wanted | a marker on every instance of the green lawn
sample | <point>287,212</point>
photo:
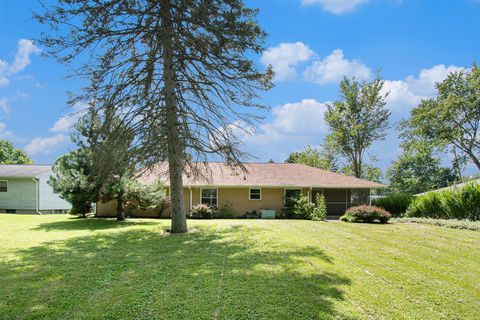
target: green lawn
<point>60,267</point>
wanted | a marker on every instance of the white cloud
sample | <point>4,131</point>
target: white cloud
<point>20,62</point>
<point>334,68</point>
<point>65,123</point>
<point>292,122</point>
<point>336,6</point>
<point>45,145</point>
<point>22,57</point>
<point>4,105</point>
<point>406,94</point>
<point>285,57</point>
<point>424,84</point>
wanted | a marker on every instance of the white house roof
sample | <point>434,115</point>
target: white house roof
<point>22,170</point>
<point>454,187</point>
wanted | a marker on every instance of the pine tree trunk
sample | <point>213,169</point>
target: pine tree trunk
<point>175,148</point>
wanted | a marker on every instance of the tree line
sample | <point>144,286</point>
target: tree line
<point>448,124</point>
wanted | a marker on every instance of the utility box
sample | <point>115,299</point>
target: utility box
<point>267,214</point>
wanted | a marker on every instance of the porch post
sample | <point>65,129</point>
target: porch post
<point>346,199</point>
<point>370,196</point>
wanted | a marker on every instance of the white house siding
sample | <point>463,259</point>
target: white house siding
<point>48,199</point>
<point>21,194</point>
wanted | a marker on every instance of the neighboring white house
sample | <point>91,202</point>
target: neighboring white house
<point>24,189</point>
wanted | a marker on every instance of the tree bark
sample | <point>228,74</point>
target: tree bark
<point>175,148</point>
<point>474,159</point>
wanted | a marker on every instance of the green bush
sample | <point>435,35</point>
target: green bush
<point>202,211</point>
<point>226,212</point>
<point>302,208</point>
<point>459,204</point>
<point>427,205</point>
<point>366,214</point>
<point>395,203</point>
<point>319,212</point>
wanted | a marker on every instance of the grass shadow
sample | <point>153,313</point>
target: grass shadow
<point>138,274</point>
<point>75,223</point>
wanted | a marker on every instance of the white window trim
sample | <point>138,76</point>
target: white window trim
<point>250,194</point>
<point>7,185</point>
<point>218,200</point>
<point>285,193</point>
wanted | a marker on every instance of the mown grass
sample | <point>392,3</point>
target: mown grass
<point>55,267</point>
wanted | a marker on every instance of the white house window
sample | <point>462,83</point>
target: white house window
<point>209,197</point>
<point>255,194</point>
<point>3,186</point>
<point>291,194</point>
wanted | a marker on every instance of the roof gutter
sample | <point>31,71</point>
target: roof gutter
<point>37,202</point>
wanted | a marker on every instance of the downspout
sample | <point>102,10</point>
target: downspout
<point>370,197</point>
<point>37,202</point>
<point>310,194</point>
<point>190,189</point>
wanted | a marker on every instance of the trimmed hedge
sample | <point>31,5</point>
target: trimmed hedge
<point>366,214</point>
<point>461,204</point>
<point>395,203</point>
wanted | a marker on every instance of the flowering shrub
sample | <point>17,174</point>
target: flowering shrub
<point>367,214</point>
<point>202,211</point>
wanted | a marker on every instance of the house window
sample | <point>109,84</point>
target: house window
<point>209,197</point>
<point>255,194</point>
<point>290,195</point>
<point>3,186</point>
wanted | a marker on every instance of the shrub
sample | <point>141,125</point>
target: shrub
<point>367,214</point>
<point>319,212</point>
<point>226,212</point>
<point>427,205</point>
<point>202,211</point>
<point>395,203</point>
<point>463,203</point>
<point>251,214</point>
<point>302,208</point>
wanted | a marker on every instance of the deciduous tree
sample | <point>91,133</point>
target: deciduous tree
<point>453,118</point>
<point>356,121</point>
<point>314,158</point>
<point>11,155</point>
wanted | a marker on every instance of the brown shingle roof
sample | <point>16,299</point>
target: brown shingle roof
<point>261,175</point>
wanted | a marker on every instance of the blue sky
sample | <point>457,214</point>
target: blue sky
<point>312,44</point>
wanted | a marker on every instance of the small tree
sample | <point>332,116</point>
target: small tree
<point>313,158</point>
<point>319,212</point>
<point>369,172</point>
<point>417,170</point>
<point>70,179</point>
<point>11,155</point>
<point>141,196</point>
<point>357,120</point>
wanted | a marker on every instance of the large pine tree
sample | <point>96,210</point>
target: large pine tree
<point>179,72</point>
